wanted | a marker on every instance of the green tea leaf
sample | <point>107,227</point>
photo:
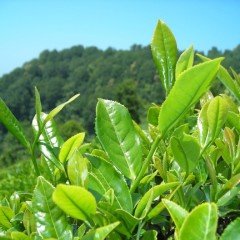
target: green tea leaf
<point>226,79</point>
<point>187,90</point>
<point>150,235</point>
<point>185,61</point>
<point>232,232</point>
<point>216,115</point>
<point>186,151</point>
<point>12,124</point>
<point>59,108</point>
<point>152,115</point>
<point>117,135</point>
<point>234,120</point>
<point>75,201</point>
<point>232,182</point>
<point>70,146</point>
<point>19,236</point>
<point>100,233</point>
<point>6,214</point>
<point>110,178</point>
<point>156,191</point>
<point>49,140</point>
<point>77,169</point>
<point>38,107</point>
<point>51,222</point>
<point>177,213</point>
<point>201,223</point>
<point>164,52</point>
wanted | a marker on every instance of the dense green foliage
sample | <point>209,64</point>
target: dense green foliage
<point>176,179</point>
<point>127,76</point>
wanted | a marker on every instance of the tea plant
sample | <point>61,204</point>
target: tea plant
<point>179,179</point>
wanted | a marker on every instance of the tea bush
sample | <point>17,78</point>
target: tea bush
<point>177,179</point>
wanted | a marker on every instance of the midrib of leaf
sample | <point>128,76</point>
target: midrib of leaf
<point>208,222</point>
<point>74,203</point>
<point>46,199</point>
<point>119,142</point>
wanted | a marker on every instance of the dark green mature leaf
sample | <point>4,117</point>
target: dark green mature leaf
<point>156,191</point>
<point>164,51</point>
<point>186,151</point>
<point>6,214</point>
<point>51,222</point>
<point>152,115</point>
<point>100,233</point>
<point>177,213</point>
<point>70,146</point>
<point>49,140</point>
<point>185,61</point>
<point>150,235</point>
<point>12,124</point>
<point>110,178</point>
<point>187,90</point>
<point>234,120</point>
<point>115,130</point>
<point>201,223</point>
<point>232,232</point>
<point>232,182</point>
<point>75,201</point>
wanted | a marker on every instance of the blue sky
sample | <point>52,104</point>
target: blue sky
<point>28,27</point>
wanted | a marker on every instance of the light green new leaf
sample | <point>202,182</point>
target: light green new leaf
<point>216,116</point>
<point>6,214</point>
<point>164,52</point>
<point>185,61</point>
<point>70,146</point>
<point>75,201</point>
<point>115,130</point>
<point>186,151</point>
<point>12,124</point>
<point>51,222</point>
<point>19,236</point>
<point>226,79</point>
<point>110,178</point>
<point>202,124</point>
<point>77,169</point>
<point>200,224</point>
<point>49,140</point>
<point>100,233</point>
<point>178,214</point>
<point>232,232</point>
<point>187,90</point>
<point>156,191</point>
<point>59,108</point>
<point>38,107</point>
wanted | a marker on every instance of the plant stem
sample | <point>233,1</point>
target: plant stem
<point>146,163</point>
<point>34,161</point>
